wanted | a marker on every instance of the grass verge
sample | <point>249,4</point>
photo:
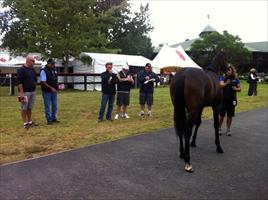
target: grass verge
<point>78,127</point>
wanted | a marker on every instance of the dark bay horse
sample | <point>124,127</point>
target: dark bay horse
<point>191,90</point>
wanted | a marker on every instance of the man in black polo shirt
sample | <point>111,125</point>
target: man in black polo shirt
<point>49,86</point>
<point>147,78</point>
<point>26,85</point>
<point>108,81</point>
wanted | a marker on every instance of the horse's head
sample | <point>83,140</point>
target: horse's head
<point>223,61</point>
<point>219,62</point>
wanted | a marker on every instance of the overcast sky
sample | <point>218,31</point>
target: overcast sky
<point>174,21</point>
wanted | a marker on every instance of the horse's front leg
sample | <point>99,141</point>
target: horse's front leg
<point>182,153</point>
<point>216,127</point>
<point>180,133</point>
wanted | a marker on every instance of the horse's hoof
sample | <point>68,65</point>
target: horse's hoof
<point>193,144</point>
<point>219,150</point>
<point>189,168</point>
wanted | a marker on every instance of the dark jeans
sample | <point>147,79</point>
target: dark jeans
<point>50,103</point>
<point>106,98</point>
<point>252,90</point>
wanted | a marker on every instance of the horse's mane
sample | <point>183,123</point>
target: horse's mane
<point>214,66</point>
<point>211,68</point>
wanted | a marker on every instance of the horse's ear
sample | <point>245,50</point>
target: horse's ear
<point>223,51</point>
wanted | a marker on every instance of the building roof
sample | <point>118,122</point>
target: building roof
<point>257,46</point>
<point>186,45</point>
<point>207,29</point>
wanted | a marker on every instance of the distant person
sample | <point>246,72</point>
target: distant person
<point>125,81</point>
<point>230,85</point>
<point>26,85</point>
<point>50,87</point>
<point>252,81</point>
<point>147,78</point>
<point>108,81</point>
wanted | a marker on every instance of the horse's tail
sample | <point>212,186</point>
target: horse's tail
<point>179,106</point>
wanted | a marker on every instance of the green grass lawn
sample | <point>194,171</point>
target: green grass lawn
<point>78,127</point>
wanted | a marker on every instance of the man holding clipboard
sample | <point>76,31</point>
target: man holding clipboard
<point>146,79</point>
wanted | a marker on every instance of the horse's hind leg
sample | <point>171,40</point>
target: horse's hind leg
<point>188,166</point>
<point>191,121</point>
<point>216,127</point>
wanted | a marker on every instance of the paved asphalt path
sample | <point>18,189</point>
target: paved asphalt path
<point>148,167</point>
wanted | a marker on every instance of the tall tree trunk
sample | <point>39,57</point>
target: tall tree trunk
<point>66,66</point>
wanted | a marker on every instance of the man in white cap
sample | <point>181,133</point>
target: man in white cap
<point>125,80</point>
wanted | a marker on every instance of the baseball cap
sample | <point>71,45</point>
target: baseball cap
<point>126,67</point>
<point>50,61</point>
<point>148,65</point>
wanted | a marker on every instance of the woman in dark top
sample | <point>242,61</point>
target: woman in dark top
<point>230,84</point>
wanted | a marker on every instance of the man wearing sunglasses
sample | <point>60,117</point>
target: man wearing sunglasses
<point>27,79</point>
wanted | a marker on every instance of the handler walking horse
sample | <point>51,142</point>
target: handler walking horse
<point>191,90</point>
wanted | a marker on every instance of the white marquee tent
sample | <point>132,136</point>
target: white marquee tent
<point>98,66</point>
<point>173,57</point>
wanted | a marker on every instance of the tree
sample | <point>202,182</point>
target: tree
<point>205,48</point>
<point>130,35</point>
<point>56,28</point>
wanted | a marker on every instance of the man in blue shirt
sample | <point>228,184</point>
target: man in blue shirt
<point>49,86</point>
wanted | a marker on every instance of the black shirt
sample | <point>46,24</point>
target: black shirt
<point>147,87</point>
<point>27,77</point>
<point>105,87</point>
<point>123,86</point>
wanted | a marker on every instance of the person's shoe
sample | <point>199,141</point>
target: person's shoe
<point>126,116</point>
<point>149,114</point>
<point>141,114</point>
<point>116,117</point>
<point>31,124</point>
<point>49,123</point>
<point>26,125</point>
<point>55,121</point>
<point>220,133</point>
<point>228,133</point>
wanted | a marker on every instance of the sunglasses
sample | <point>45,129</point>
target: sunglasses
<point>33,61</point>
